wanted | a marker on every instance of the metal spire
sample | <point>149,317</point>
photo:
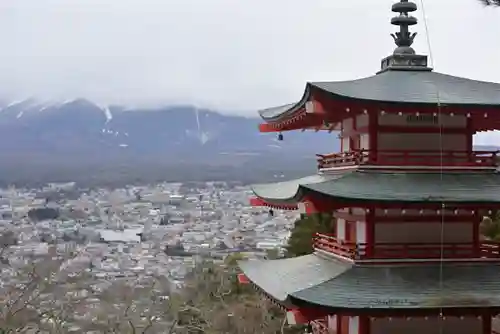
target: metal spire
<point>404,57</point>
<point>403,38</point>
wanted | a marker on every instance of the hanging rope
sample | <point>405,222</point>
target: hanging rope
<point>440,124</point>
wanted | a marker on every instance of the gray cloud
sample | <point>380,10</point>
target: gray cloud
<point>231,54</point>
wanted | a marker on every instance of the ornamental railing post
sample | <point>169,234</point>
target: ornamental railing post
<point>358,252</point>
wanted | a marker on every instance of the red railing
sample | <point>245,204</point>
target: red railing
<point>350,158</point>
<point>409,158</point>
<point>331,244</point>
<point>384,251</point>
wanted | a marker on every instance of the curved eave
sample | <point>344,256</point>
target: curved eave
<point>419,88</point>
<point>418,188</point>
<point>299,120</point>
<point>399,287</point>
<point>281,278</point>
<point>286,192</point>
<point>391,88</point>
<point>317,281</point>
<point>286,111</point>
<point>257,201</point>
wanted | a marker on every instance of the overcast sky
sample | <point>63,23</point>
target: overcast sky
<point>235,55</point>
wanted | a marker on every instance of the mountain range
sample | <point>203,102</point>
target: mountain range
<point>83,127</point>
<point>79,132</point>
<point>82,140</point>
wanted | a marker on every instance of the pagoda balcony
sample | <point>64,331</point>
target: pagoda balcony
<point>485,250</point>
<point>408,158</point>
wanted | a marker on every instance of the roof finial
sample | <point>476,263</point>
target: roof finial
<point>404,57</point>
<point>403,38</point>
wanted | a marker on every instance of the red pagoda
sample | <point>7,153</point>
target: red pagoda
<point>407,194</point>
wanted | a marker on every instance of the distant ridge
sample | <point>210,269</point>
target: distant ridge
<point>46,136</point>
<point>81,127</point>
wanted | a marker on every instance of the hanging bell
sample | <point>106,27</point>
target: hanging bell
<point>280,136</point>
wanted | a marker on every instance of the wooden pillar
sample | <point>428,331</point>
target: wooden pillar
<point>469,134</point>
<point>370,232</point>
<point>343,324</point>
<point>348,227</point>
<point>475,232</point>
<point>353,133</point>
<point>364,325</point>
<point>341,136</point>
<point>486,324</point>
<point>373,135</point>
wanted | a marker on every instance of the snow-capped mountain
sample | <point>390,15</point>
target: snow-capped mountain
<point>81,128</point>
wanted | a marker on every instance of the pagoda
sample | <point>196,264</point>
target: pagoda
<point>407,193</point>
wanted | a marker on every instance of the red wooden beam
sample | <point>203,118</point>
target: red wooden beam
<point>343,108</point>
<point>420,129</point>
<point>349,216</point>
<point>257,201</point>
<point>432,219</point>
<point>243,279</point>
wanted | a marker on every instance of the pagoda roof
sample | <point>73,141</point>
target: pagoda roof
<point>409,187</point>
<point>289,275</point>
<point>287,191</point>
<point>400,87</point>
<point>320,281</point>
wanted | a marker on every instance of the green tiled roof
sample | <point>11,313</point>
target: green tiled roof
<point>316,280</point>
<point>472,187</point>
<point>406,87</point>
<point>410,286</point>
<point>286,191</point>
<point>420,87</point>
<point>280,278</point>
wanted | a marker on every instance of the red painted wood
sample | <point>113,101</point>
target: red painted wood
<point>353,232</point>
<point>243,279</point>
<point>402,129</point>
<point>470,133</point>
<point>408,158</point>
<point>349,216</point>
<point>364,325</point>
<point>257,201</point>
<point>476,235</point>
<point>354,137</point>
<point>405,251</point>
<point>373,135</point>
<point>487,324</point>
<point>331,244</point>
<point>333,110</point>
<point>430,219</point>
<point>463,217</point>
<point>370,232</point>
<point>327,204</point>
<point>344,327</point>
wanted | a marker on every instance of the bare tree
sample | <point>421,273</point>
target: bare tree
<point>214,302</point>
<point>57,292</point>
<point>139,306</point>
<point>39,292</point>
<point>490,2</point>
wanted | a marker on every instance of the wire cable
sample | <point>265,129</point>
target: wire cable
<point>441,170</point>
